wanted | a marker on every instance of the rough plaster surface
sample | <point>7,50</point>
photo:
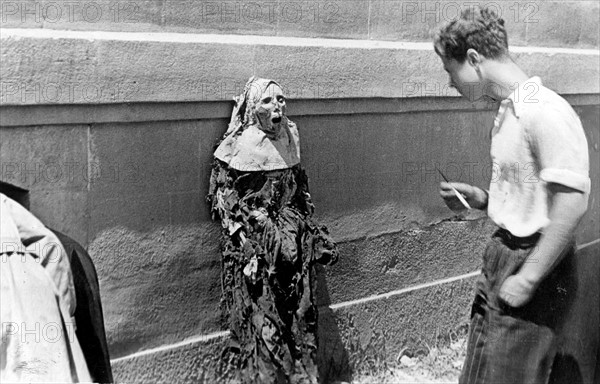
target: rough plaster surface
<point>158,287</point>
<point>408,320</point>
<point>356,335</point>
<point>195,363</point>
<point>527,22</point>
<point>161,286</point>
<point>347,337</point>
<point>385,263</point>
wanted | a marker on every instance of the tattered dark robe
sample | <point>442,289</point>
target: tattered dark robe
<point>269,279</point>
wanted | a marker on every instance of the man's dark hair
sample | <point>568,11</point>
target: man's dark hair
<point>480,29</point>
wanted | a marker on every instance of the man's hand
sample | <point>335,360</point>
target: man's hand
<point>516,291</point>
<point>476,197</point>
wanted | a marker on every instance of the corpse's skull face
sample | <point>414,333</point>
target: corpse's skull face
<point>270,109</point>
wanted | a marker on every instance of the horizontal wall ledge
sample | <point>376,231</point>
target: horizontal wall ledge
<point>249,39</point>
<point>41,67</point>
<point>37,115</point>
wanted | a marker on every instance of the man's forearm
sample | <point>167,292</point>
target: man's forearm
<point>565,214</point>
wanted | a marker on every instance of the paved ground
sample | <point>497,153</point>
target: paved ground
<point>399,376</point>
<point>440,365</point>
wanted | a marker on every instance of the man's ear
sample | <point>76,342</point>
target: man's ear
<point>474,58</point>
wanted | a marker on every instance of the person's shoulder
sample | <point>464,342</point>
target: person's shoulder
<point>545,105</point>
<point>551,99</point>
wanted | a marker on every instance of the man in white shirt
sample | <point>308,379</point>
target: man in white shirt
<point>538,194</point>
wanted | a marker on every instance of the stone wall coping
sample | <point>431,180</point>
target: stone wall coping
<point>53,67</point>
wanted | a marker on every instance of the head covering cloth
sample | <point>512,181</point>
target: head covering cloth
<point>245,147</point>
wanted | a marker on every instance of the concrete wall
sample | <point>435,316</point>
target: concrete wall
<point>113,132</point>
<point>530,23</point>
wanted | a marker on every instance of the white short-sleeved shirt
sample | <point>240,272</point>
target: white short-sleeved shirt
<point>537,139</point>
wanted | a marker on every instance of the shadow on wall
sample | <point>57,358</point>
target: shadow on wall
<point>578,361</point>
<point>332,357</point>
<point>568,370</point>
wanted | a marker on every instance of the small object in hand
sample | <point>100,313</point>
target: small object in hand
<point>461,198</point>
